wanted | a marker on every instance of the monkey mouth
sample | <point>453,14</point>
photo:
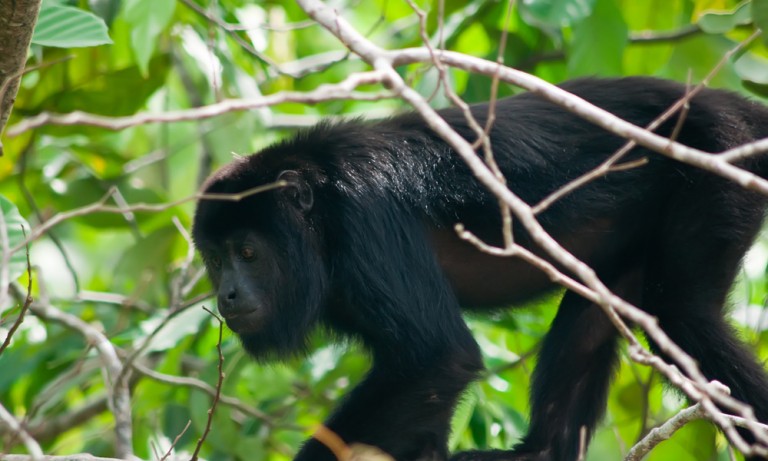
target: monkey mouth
<point>245,322</point>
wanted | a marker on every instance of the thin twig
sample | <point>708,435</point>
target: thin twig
<point>208,389</point>
<point>175,441</point>
<point>217,396</point>
<point>100,207</point>
<point>177,283</point>
<point>610,164</point>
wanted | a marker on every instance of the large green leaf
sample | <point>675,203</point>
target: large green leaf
<point>99,94</point>
<point>722,22</point>
<point>69,27</point>
<point>148,19</point>
<point>14,224</point>
<point>598,43</point>
<point>753,70</point>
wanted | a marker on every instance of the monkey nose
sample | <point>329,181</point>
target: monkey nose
<point>226,301</point>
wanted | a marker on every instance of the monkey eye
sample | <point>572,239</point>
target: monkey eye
<point>247,253</point>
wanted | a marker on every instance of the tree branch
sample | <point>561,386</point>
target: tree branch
<point>17,21</point>
<point>120,397</point>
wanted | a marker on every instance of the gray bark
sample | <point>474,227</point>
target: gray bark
<point>17,21</point>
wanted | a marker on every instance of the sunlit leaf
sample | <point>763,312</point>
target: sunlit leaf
<point>148,19</point>
<point>703,6</point>
<point>69,27</point>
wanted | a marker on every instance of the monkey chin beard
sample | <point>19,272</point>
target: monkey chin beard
<point>271,345</point>
<point>284,334</point>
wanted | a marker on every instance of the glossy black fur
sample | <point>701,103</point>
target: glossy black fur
<point>361,242</point>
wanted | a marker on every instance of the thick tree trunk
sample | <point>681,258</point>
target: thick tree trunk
<point>17,20</point>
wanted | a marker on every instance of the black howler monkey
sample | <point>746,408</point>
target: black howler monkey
<point>362,241</point>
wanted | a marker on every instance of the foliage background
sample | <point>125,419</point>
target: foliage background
<point>124,272</point>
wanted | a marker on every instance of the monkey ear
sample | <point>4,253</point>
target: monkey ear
<point>297,190</point>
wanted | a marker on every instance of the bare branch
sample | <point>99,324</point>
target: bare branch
<point>100,207</point>
<point>655,36</point>
<point>36,453</point>
<point>664,432</point>
<point>120,398</point>
<point>596,115</point>
<point>175,441</point>
<point>53,426</point>
<point>609,165</point>
<point>329,92</point>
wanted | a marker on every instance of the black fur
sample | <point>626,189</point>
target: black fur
<point>361,241</point>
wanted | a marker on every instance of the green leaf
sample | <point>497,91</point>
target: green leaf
<point>555,13</point>
<point>69,27</point>
<point>598,43</point>
<point>183,324</point>
<point>105,9</point>
<point>753,70</point>
<point>720,23</point>
<point>13,225</point>
<point>695,57</point>
<point>135,260</point>
<point>148,19</point>
<point>462,416</point>
<point>760,16</point>
<point>251,448</point>
<point>98,93</point>
<point>694,441</point>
